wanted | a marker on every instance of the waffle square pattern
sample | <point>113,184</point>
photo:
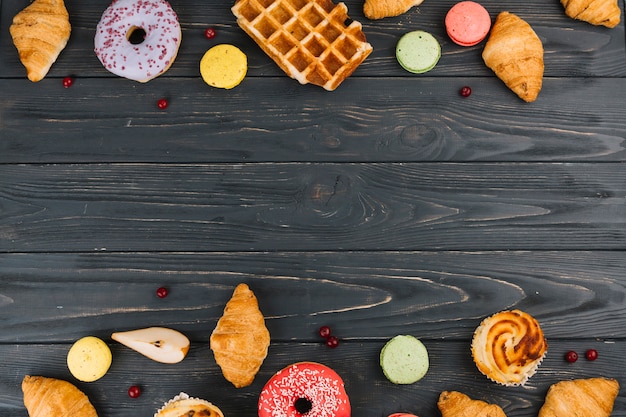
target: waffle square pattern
<point>312,41</point>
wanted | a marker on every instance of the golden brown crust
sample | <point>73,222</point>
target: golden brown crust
<point>312,41</point>
<point>515,54</point>
<point>457,404</point>
<point>597,12</point>
<point>40,32</point>
<point>378,9</point>
<point>593,397</point>
<point>45,397</point>
<point>508,347</point>
<point>240,339</point>
<point>184,406</point>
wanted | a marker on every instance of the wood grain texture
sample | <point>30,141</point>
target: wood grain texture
<point>398,119</point>
<point>312,207</point>
<point>390,206</point>
<point>371,395</point>
<point>573,48</point>
<point>363,295</point>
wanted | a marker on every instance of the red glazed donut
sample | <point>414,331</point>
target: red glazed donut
<point>304,389</point>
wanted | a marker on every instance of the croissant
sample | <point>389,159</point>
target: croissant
<point>377,9</point>
<point>40,32</point>
<point>457,404</point>
<point>596,12</point>
<point>45,397</point>
<point>593,397</point>
<point>240,339</point>
<point>515,53</point>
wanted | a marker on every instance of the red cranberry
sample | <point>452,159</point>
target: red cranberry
<point>332,342</point>
<point>591,355</point>
<point>324,332</point>
<point>571,356</point>
<point>209,33</point>
<point>67,82</point>
<point>162,292</point>
<point>134,391</point>
<point>162,104</point>
<point>465,91</point>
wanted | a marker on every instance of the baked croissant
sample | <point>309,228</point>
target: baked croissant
<point>45,397</point>
<point>240,339</point>
<point>377,9</point>
<point>597,12</point>
<point>40,32</point>
<point>457,404</point>
<point>515,53</point>
<point>593,397</point>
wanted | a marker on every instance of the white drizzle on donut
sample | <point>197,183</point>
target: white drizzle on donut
<point>148,59</point>
<point>313,382</point>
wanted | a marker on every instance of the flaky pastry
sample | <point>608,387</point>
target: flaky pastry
<point>457,404</point>
<point>240,339</point>
<point>46,397</point>
<point>593,397</point>
<point>40,32</point>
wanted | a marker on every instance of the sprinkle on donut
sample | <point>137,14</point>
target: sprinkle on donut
<point>138,39</point>
<point>304,388</point>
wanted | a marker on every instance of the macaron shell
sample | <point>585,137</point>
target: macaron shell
<point>404,359</point>
<point>467,23</point>
<point>402,415</point>
<point>224,66</point>
<point>89,359</point>
<point>418,51</point>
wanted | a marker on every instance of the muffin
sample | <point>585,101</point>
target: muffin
<point>508,347</point>
<point>183,405</point>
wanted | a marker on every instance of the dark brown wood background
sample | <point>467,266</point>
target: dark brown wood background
<point>389,206</point>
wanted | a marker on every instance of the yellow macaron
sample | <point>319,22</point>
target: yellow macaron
<point>89,359</point>
<point>224,66</point>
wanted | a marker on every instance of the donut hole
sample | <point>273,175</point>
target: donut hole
<point>303,405</point>
<point>136,35</point>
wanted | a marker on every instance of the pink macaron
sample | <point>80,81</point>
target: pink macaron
<point>402,415</point>
<point>467,23</point>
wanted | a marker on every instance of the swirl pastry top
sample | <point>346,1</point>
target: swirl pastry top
<point>508,347</point>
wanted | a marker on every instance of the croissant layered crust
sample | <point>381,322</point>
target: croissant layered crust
<point>508,347</point>
<point>378,9</point>
<point>240,340</point>
<point>45,397</point>
<point>597,12</point>
<point>457,404</point>
<point>592,397</point>
<point>514,53</point>
<point>40,32</point>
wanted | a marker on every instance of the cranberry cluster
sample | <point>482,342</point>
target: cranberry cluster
<point>331,341</point>
<point>591,355</point>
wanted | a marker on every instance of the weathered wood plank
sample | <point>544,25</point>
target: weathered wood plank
<point>572,48</point>
<point>100,120</point>
<point>145,207</point>
<point>363,295</point>
<point>371,395</point>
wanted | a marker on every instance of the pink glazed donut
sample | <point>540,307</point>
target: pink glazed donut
<point>138,39</point>
<point>304,389</point>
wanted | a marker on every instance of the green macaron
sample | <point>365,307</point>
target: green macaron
<point>418,51</point>
<point>404,359</point>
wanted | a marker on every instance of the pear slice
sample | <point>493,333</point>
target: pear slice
<point>160,344</point>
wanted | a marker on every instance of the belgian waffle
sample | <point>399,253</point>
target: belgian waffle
<point>313,41</point>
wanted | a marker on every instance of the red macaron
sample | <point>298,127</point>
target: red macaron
<point>467,23</point>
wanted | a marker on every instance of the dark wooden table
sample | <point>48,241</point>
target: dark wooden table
<point>389,206</point>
